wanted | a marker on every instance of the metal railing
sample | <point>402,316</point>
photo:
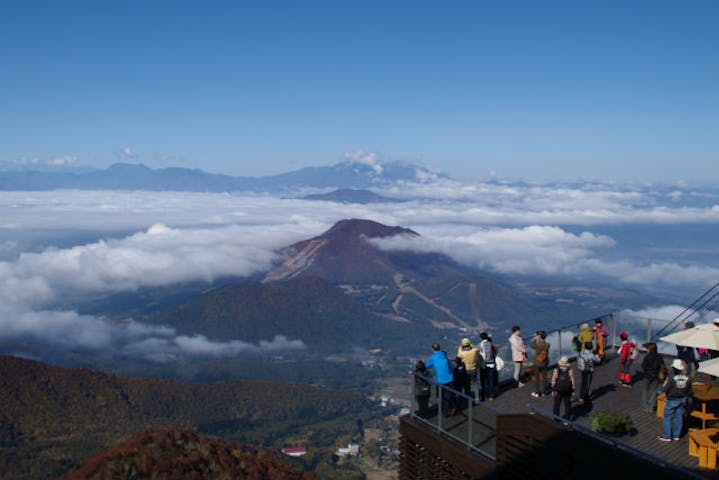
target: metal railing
<point>641,329</point>
<point>560,341</point>
<point>459,416</point>
<point>475,423</point>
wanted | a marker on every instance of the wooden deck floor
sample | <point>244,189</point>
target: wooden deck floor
<point>608,395</point>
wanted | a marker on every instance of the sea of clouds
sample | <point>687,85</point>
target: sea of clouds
<point>62,245</point>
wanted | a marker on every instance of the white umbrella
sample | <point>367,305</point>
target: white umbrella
<point>710,367</point>
<point>701,336</point>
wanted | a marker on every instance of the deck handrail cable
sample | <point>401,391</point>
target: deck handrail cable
<point>690,309</point>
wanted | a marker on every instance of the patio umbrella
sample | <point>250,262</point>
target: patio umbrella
<point>710,367</point>
<point>701,336</point>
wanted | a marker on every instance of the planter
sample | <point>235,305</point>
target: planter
<point>611,423</point>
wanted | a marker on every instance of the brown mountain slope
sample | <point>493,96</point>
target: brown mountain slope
<point>52,417</point>
<point>341,253</point>
<point>171,453</point>
<point>340,289</point>
<point>429,290</point>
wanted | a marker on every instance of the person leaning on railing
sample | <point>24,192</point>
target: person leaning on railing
<point>471,358</point>
<point>422,388</point>
<point>439,362</point>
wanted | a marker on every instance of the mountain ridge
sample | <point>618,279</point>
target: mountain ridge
<point>174,453</point>
<point>350,195</point>
<point>134,176</point>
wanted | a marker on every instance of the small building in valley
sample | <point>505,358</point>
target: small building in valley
<point>294,451</point>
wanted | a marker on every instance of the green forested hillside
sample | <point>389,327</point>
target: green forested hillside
<point>322,315</point>
<point>51,417</point>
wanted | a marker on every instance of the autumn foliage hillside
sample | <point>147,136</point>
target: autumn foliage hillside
<point>52,418</point>
<point>170,453</point>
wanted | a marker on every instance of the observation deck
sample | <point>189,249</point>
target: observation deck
<point>516,436</point>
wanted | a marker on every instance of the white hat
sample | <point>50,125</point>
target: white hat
<point>678,363</point>
<point>564,362</point>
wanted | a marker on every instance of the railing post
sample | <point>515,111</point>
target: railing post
<point>470,409</point>
<point>559,341</point>
<point>649,330</point>
<point>411,394</point>
<point>439,406</point>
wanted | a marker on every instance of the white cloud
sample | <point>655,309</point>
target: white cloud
<point>62,161</point>
<point>665,274</point>
<point>128,153</point>
<point>365,158</point>
<point>200,345</point>
<point>69,330</point>
<point>661,321</point>
<point>168,349</point>
<point>23,161</point>
<point>34,282</point>
<point>217,234</point>
<point>56,161</point>
<point>128,240</point>
<point>550,251</point>
<point>530,250</point>
<point>676,195</point>
<point>159,256</point>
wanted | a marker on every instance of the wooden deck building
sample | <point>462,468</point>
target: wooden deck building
<point>516,437</point>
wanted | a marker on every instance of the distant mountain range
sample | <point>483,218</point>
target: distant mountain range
<point>52,418</point>
<point>349,195</point>
<point>126,176</point>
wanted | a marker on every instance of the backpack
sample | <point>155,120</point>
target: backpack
<point>564,382</point>
<point>585,362</point>
<point>576,344</point>
<point>581,364</point>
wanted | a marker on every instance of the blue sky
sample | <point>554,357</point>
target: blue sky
<point>540,90</point>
